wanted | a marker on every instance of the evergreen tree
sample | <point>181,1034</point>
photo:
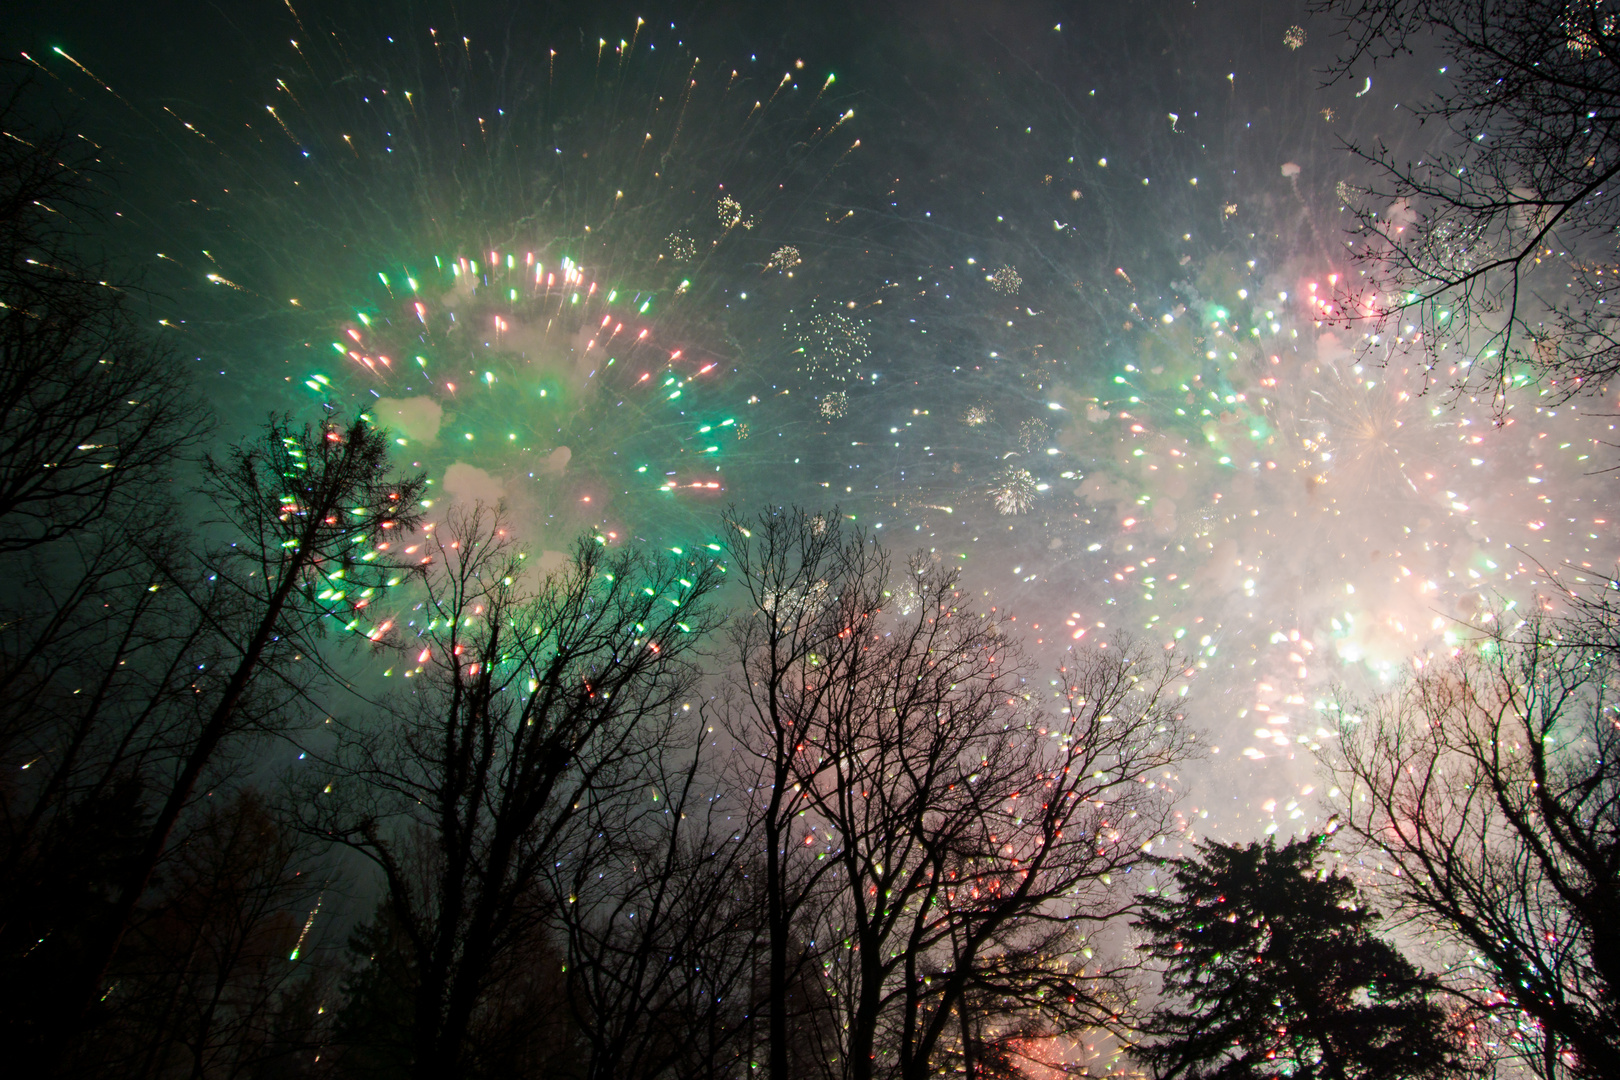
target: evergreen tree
<point>373,1028</point>
<point>1273,970</point>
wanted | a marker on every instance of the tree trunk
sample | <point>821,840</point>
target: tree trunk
<point>863,1030</point>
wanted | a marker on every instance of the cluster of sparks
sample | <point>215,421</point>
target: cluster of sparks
<point>785,258</point>
<point>485,366</point>
<point>1006,281</point>
<point>832,345</point>
<point>835,405</point>
<point>682,248</point>
<point>1015,491</point>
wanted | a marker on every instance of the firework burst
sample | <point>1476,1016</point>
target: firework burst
<point>530,286</point>
<point>1032,433</point>
<point>1014,491</point>
<point>832,344</point>
<point>835,406</point>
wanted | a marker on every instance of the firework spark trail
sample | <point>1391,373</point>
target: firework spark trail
<point>92,76</point>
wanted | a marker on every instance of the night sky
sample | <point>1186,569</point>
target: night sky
<point>1037,289</point>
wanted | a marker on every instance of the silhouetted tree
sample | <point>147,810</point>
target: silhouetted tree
<point>1272,970</point>
<point>94,411</point>
<point>790,564</point>
<point>1497,245</point>
<point>58,895</point>
<point>931,821</point>
<point>372,1030</point>
<point>198,986</point>
<point>312,513</point>
<point>142,659</point>
<point>532,703</point>
<point>660,915</point>
<point>1490,788</point>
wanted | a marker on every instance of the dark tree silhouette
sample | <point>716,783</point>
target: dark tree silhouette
<point>933,826</point>
<point>788,563</point>
<point>197,988</point>
<point>533,703</point>
<point>1272,970</point>
<point>1490,787</point>
<point>93,410</point>
<point>660,915</point>
<point>314,513</point>
<point>1497,247</point>
<point>372,1030</point>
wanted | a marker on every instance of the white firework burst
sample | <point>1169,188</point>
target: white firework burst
<point>1006,281</point>
<point>730,212</point>
<point>1014,491</point>
<point>682,248</point>
<point>832,345</point>
<point>789,606</point>
<point>1031,433</point>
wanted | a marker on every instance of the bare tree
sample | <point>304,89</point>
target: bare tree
<point>1032,948</point>
<point>532,705</point>
<point>1496,248</point>
<point>1017,1017</point>
<point>313,512</point>
<point>959,825</point>
<point>1002,889</point>
<point>99,669</point>
<point>93,410</point>
<point>788,563</point>
<point>661,916</point>
<point>94,664</point>
<point>1488,789</point>
<point>144,664</point>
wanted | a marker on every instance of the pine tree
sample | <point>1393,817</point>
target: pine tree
<point>1273,970</point>
<point>373,1029</point>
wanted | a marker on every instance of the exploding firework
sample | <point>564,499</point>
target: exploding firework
<point>832,345</point>
<point>791,605</point>
<point>730,213</point>
<point>835,406</point>
<point>1294,37</point>
<point>1453,247</point>
<point>1197,507</point>
<point>1014,491</point>
<point>903,595</point>
<point>682,248</point>
<point>1357,431</point>
<point>529,287</point>
<point>506,374</point>
<point>1032,433</point>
